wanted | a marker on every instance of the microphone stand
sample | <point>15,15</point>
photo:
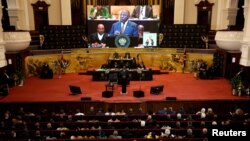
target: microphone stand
<point>140,72</point>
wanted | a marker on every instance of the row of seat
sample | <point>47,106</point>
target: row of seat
<point>63,37</point>
<point>158,117</point>
<point>173,45</point>
<point>183,36</point>
<point>132,125</point>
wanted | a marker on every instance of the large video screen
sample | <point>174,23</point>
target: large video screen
<point>107,22</point>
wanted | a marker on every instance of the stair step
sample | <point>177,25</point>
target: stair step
<point>35,38</point>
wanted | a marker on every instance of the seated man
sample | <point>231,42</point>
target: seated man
<point>142,12</point>
<point>124,26</point>
<point>98,39</point>
<point>140,31</point>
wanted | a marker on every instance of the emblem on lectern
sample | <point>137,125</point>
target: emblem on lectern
<point>122,41</point>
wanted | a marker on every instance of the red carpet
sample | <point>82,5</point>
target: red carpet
<point>179,85</point>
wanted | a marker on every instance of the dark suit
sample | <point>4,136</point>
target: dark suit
<point>130,30</point>
<point>94,38</point>
<point>151,43</point>
<point>148,12</point>
<point>124,80</point>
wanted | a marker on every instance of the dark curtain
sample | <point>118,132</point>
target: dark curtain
<point>167,12</point>
<point>77,12</point>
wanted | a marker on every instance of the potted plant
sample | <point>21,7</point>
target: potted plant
<point>18,78</point>
<point>235,81</point>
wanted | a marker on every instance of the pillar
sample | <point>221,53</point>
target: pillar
<point>3,61</point>
<point>231,10</point>
<point>245,7</point>
<point>66,12</point>
<point>226,13</point>
<point>245,45</point>
<point>13,10</point>
<point>179,11</point>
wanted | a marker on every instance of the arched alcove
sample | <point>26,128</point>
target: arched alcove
<point>204,13</point>
<point>41,18</point>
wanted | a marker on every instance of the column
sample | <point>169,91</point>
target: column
<point>231,10</point>
<point>19,14</point>
<point>13,10</point>
<point>245,7</point>
<point>245,45</point>
<point>3,61</point>
<point>226,13</point>
<point>66,12</point>
<point>179,10</point>
<point>220,20</point>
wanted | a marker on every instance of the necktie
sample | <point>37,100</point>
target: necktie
<point>122,28</point>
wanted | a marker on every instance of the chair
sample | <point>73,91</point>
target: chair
<point>110,85</point>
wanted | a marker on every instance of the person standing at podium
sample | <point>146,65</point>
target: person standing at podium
<point>124,26</point>
<point>124,79</point>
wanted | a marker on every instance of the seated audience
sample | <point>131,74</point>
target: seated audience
<point>100,112</point>
<point>122,112</point>
<point>140,111</point>
<point>171,110</point>
<point>91,111</point>
<point>79,113</point>
<point>101,135</point>
<point>189,133</point>
<point>162,111</point>
<point>109,112</point>
<point>115,135</point>
<point>130,111</point>
<point>127,134</point>
<point>166,134</point>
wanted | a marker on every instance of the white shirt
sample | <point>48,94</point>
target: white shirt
<point>100,36</point>
<point>142,12</point>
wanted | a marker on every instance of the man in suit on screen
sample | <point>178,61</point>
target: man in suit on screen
<point>98,39</point>
<point>124,26</point>
<point>142,12</point>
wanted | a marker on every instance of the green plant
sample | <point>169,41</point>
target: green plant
<point>17,77</point>
<point>235,81</point>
